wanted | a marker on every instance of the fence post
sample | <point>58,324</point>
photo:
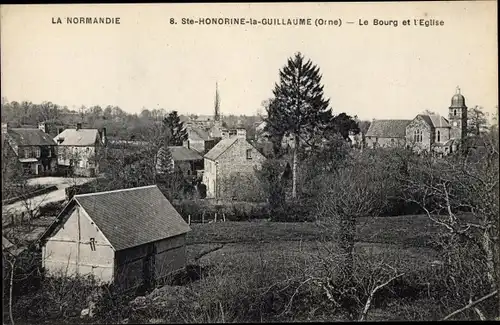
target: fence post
<point>223,216</point>
<point>189,219</point>
<point>203,217</point>
<point>215,216</point>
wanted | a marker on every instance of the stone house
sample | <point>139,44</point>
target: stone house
<point>199,139</point>
<point>81,151</point>
<point>426,132</point>
<point>32,149</point>
<point>229,164</point>
<point>130,237</point>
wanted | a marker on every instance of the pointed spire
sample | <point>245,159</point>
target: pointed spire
<point>217,103</point>
<point>458,90</point>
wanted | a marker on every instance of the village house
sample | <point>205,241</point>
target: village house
<point>52,128</point>
<point>230,161</point>
<point>81,151</point>
<point>424,133</point>
<point>31,148</point>
<point>199,139</point>
<point>188,161</point>
<point>131,237</point>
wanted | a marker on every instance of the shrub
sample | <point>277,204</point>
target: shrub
<point>57,298</point>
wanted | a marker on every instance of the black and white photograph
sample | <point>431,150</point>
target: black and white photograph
<point>250,162</point>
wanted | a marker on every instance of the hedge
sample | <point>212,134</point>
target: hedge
<point>29,195</point>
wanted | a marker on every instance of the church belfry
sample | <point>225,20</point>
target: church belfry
<point>217,104</point>
<point>457,116</point>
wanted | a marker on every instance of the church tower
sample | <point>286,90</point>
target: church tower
<point>458,116</point>
<point>217,104</point>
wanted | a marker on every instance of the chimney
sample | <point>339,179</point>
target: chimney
<point>5,128</point>
<point>44,126</point>
<point>241,133</point>
<point>78,126</point>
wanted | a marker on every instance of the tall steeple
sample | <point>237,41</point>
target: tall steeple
<point>217,104</point>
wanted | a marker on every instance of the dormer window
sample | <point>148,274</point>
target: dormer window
<point>438,136</point>
<point>249,153</point>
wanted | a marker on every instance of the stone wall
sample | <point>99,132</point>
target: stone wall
<point>233,162</point>
<point>428,135</point>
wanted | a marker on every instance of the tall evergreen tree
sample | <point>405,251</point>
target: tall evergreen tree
<point>173,125</point>
<point>299,107</point>
<point>164,161</point>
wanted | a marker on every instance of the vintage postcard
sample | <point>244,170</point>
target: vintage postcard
<point>250,162</point>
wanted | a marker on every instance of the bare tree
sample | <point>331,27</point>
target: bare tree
<point>461,193</point>
<point>349,194</point>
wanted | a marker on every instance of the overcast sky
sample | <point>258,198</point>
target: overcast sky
<point>368,71</point>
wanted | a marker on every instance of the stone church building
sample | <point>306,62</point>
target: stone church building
<point>425,132</point>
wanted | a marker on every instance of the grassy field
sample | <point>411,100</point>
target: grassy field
<point>243,258</point>
<point>240,246</point>
<point>403,230</point>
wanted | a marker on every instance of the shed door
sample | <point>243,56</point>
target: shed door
<point>148,266</point>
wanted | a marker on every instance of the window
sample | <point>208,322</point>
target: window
<point>49,154</point>
<point>37,152</point>
<point>417,136</point>
<point>92,244</point>
<point>82,164</point>
<point>249,153</point>
<point>454,112</point>
<point>438,136</point>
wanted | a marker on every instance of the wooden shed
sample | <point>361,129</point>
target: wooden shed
<point>131,236</point>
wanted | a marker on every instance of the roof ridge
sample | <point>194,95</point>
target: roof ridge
<point>235,139</point>
<point>115,191</point>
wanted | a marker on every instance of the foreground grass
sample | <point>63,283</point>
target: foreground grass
<point>402,230</point>
<point>252,271</point>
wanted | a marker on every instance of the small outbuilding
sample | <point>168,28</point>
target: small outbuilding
<point>130,236</point>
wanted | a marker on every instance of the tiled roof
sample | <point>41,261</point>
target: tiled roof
<point>197,134</point>
<point>180,153</point>
<point>436,121</point>
<point>133,217</point>
<point>215,132</point>
<point>81,137</point>
<point>30,137</point>
<point>388,128</point>
<point>220,148</point>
